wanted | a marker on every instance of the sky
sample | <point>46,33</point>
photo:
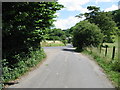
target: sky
<point>66,16</point>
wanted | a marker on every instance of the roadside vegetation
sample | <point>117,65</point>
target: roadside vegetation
<point>25,25</point>
<point>91,36</point>
<point>24,64</point>
<point>28,26</point>
<point>86,34</point>
<point>111,67</point>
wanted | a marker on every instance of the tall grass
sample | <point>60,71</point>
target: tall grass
<point>111,67</point>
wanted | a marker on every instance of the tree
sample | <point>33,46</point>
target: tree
<point>116,16</point>
<point>57,34</point>
<point>107,25</point>
<point>24,26</point>
<point>86,34</point>
<point>68,35</point>
<point>103,20</point>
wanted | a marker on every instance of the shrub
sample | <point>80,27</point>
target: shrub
<point>86,34</point>
<point>22,66</point>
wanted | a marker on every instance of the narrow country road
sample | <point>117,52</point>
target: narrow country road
<point>64,68</point>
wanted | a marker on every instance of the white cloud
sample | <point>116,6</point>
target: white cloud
<point>113,7</point>
<point>103,1</point>
<point>66,23</point>
<point>97,1</point>
<point>75,5</point>
<point>58,14</point>
<point>70,5</point>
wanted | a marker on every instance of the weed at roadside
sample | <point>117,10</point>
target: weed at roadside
<point>110,67</point>
<point>22,66</point>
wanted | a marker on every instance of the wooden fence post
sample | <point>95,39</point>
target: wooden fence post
<point>100,48</point>
<point>106,46</point>
<point>113,54</point>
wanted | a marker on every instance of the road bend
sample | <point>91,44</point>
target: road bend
<point>64,68</point>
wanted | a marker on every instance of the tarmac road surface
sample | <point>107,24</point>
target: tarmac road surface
<point>64,68</point>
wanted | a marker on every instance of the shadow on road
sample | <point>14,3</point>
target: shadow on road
<point>73,50</point>
<point>69,49</point>
<point>10,83</point>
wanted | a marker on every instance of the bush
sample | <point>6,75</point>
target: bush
<point>22,66</point>
<point>86,34</point>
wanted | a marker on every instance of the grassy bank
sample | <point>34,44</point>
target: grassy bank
<point>51,43</point>
<point>111,67</point>
<point>24,65</point>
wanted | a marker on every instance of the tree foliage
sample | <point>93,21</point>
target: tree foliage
<point>116,16</point>
<point>56,34</point>
<point>104,20</point>
<point>86,34</point>
<point>24,26</point>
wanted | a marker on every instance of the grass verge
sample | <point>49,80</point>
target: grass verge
<point>106,63</point>
<point>24,65</point>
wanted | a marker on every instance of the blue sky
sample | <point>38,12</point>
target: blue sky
<point>66,17</point>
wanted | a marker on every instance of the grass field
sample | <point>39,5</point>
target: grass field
<point>51,43</point>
